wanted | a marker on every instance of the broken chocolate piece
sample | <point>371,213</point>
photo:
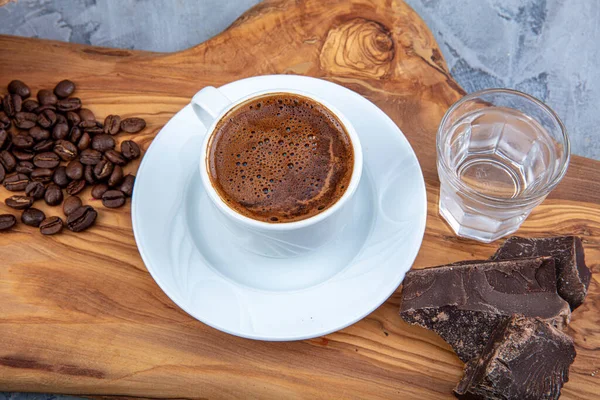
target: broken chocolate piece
<point>525,359</point>
<point>572,273</point>
<point>465,302</point>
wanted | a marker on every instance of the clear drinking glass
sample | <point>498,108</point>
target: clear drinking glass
<point>499,153</point>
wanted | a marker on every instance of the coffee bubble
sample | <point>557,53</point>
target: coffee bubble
<point>267,155</point>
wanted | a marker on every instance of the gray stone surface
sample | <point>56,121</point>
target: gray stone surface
<point>35,396</point>
<point>548,48</point>
<point>155,25</point>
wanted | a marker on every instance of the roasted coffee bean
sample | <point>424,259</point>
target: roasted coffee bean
<point>103,169</point>
<point>43,175</point>
<point>115,157</point>
<point>5,139</point>
<point>14,179</point>
<point>90,157</point>
<point>133,125</point>
<point>75,135</point>
<point>8,161</point>
<point>84,142</point>
<point>81,219</point>
<point>35,190</point>
<point>11,103</point>
<point>60,131</point>
<point>30,105</point>
<point>60,177</point>
<point>39,134</point>
<point>74,170</point>
<point>61,119</point>
<point>130,149</point>
<point>46,97</point>
<point>46,118</point>
<point>70,104</point>
<point>51,226</point>
<point>41,109</point>
<point>19,202</point>
<point>19,87</point>
<point>98,190</point>
<point>23,154</point>
<point>64,89</point>
<point>95,130</point>
<point>23,141</point>
<point>53,195</point>
<point>25,120</point>
<point>113,199</point>
<point>46,160</point>
<point>85,123</point>
<point>5,121</point>
<point>33,217</point>
<point>17,102</point>
<point>88,174</point>
<point>127,185</point>
<point>87,115</point>
<point>103,142</point>
<point>7,221</point>
<point>65,150</point>
<point>24,167</point>
<point>8,106</point>
<point>116,177</point>
<point>76,187</point>
<point>73,118</point>
<point>16,182</point>
<point>112,124</point>
<point>71,204</point>
<point>44,145</point>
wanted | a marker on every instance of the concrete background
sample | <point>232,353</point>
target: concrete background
<point>547,48</point>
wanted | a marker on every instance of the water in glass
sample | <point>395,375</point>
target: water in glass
<point>496,163</point>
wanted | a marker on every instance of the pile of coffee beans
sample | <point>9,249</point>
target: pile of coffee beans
<point>52,146</point>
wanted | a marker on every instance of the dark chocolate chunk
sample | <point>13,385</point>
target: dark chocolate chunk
<point>465,302</point>
<point>525,359</point>
<point>572,273</point>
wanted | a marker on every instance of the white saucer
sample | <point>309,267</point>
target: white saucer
<point>198,264</point>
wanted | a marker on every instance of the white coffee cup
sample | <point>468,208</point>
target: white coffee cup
<point>285,239</point>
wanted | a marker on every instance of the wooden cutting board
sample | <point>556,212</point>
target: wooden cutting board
<point>80,314</point>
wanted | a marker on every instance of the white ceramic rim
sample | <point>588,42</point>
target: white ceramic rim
<point>286,226</point>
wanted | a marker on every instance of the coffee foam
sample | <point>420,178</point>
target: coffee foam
<point>280,158</point>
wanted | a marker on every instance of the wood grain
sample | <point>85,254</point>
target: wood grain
<point>80,314</point>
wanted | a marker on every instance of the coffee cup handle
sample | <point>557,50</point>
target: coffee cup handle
<point>208,104</point>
